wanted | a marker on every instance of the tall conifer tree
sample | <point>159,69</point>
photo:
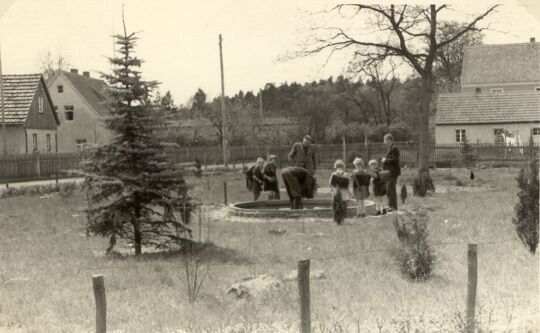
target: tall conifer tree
<point>134,189</point>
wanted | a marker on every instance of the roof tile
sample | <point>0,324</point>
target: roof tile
<point>511,107</point>
<point>19,91</point>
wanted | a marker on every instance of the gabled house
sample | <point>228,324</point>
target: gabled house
<point>499,99</point>
<point>82,103</point>
<point>31,123</point>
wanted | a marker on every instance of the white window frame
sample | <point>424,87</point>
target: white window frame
<point>40,104</point>
<point>535,128</point>
<point>495,134</point>
<point>48,141</point>
<point>462,135</point>
<point>35,142</point>
<point>496,90</point>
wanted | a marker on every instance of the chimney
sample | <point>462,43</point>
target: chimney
<point>74,71</point>
<point>86,74</point>
<point>533,39</point>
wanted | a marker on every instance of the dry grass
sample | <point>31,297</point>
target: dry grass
<point>46,263</point>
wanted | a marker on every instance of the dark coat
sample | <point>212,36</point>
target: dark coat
<point>391,162</point>
<point>303,157</point>
<point>379,187</point>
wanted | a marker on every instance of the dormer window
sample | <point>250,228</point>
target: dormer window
<point>496,90</point>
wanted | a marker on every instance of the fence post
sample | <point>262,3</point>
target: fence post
<point>101,303</point>
<point>200,228</point>
<point>344,149</point>
<point>472,278</point>
<point>303,288</point>
<point>225,192</point>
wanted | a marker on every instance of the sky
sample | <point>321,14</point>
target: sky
<point>179,39</point>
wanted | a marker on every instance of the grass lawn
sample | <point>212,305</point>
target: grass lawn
<point>46,264</point>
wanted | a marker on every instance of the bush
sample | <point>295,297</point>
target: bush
<point>415,257</point>
<point>422,185</point>
<point>63,189</point>
<point>526,209</point>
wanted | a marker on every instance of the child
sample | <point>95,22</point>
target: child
<point>270,179</point>
<point>379,187</point>
<point>339,182</point>
<point>257,178</point>
<point>360,180</point>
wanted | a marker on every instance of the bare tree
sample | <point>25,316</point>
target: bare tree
<point>450,57</point>
<point>383,82</point>
<point>406,33</point>
<point>51,64</point>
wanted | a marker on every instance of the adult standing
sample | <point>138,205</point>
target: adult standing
<point>303,155</point>
<point>391,163</point>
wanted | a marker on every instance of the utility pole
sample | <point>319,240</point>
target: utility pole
<point>260,105</point>
<point>223,119</point>
<point>3,107</point>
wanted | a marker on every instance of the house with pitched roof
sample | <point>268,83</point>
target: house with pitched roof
<point>499,98</point>
<point>81,103</point>
<point>31,123</point>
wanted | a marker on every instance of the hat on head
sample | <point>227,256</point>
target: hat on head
<point>308,137</point>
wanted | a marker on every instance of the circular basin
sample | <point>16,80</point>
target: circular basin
<point>282,208</point>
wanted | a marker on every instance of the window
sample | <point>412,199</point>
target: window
<point>34,142</point>
<point>478,90</point>
<point>496,90</point>
<point>80,144</point>
<point>460,135</point>
<point>537,88</point>
<point>536,131</point>
<point>40,104</point>
<point>48,140</point>
<point>60,88</point>
<point>498,134</point>
<point>69,112</point>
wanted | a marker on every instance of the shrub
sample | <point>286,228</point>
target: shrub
<point>526,208</point>
<point>415,257</point>
<point>64,189</point>
<point>422,185</point>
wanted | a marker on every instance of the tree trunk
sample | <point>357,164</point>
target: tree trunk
<point>424,145</point>
<point>137,236</point>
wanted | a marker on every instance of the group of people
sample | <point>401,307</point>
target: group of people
<point>381,177</point>
<point>300,181</point>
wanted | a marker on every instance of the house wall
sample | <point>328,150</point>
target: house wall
<point>41,140</point>
<point>44,120</point>
<point>486,88</point>
<point>86,124</point>
<point>484,133</point>
<point>15,138</point>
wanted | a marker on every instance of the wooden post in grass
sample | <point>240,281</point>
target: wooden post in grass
<point>303,288</point>
<point>472,278</point>
<point>101,303</point>
<point>200,228</point>
<point>225,193</point>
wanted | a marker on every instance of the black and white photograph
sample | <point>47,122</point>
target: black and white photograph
<point>301,166</point>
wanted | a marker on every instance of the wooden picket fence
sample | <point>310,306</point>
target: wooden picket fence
<point>49,165</point>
